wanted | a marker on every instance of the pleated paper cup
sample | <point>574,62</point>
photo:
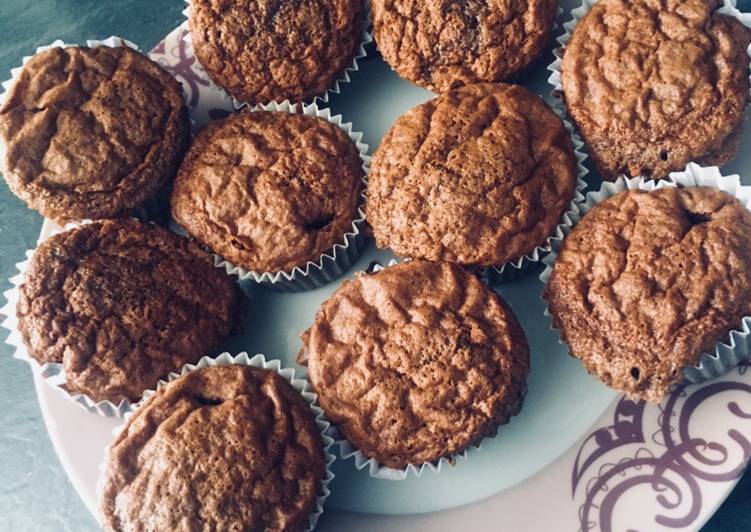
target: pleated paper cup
<point>339,259</point>
<point>52,373</point>
<point>257,361</point>
<point>736,345</point>
<point>375,469</point>
<point>157,207</point>
<point>729,7</point>
<point>343,78</point>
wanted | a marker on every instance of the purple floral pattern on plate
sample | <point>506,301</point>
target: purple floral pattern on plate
<point>205,101</point>
<point>661,448</point>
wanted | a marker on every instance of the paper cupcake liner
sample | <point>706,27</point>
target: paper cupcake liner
<point>334,263</point>
<point>736,345</point>
<point>375,468</point>
<point>343,77</point>
<point>728,8</point>
<point>155,208</point>
<point>53,373</point>
<point>514,270</point>
<point>256,361</point>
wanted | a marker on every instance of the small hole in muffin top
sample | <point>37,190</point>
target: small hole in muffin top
<point>664,155</point>
<point>635,373</point>
<point>697,218</point>
<point>207,401</point>
<point>319,223</point>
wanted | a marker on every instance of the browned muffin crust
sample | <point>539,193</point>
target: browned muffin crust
<point>221,448</point>
<point>120,304</point>
<point>270,50</point>
<point>444,44</point>
<point>648,281</point>
<point>416,362</point>
<point>480,175</point>
<point>269,190</point>
<point>91,132</point>
<point>654,85</point>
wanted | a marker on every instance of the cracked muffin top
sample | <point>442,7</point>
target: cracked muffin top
<point>272,50</point>
<point>221,448</point>
<point>416,362</point>
<point>443,44</point>
<point>648,281</point>
<point>91,132</point>
<point>120,304</point>
<point>480,176</point>
<point>269,190</point>
<point>654,85</point>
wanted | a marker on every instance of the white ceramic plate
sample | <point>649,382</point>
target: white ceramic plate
<point>577,457</point>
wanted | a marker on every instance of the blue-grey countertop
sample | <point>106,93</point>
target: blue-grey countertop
<point>35,494</point>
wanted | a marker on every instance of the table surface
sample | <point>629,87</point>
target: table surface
<point>36,494</point>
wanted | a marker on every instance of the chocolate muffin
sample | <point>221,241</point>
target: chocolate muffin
<point>120,304</point>
<point>269,190</point>
<point>266,50</point>
<point>653,86</point>
<point>648,281</point>
<point>480,175</point>
<point>236,447</point>
<point>91,132</point>
<point>416,362</point>
<point>442,44</point>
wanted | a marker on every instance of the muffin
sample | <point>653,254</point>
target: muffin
<point>120,304</point>
<point>237,447</point>
<point>479,176</point>
<point>416,362</point>
<point>441,44</point>
<point>652,86</point>
<point>648,281</point>
<point>269,191</point>
<point>265,50</point>
<point>91,132</point>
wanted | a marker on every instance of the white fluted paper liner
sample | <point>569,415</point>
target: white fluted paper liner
<point>152,207</point>
<point>335,88</point>
<point>52,372</point>
<point>513,270</point>
<point>736,346</point>
<point>257,361</point>
<point>335,262</point>
<point>375,468</point>
<point>728,8</point>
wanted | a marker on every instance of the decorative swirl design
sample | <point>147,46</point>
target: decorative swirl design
<point>675,463</point>
<point>180,62</point>
<point>175,55</point>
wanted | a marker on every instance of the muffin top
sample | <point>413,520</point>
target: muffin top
<point>443,44</point>
<point>654,85</point>
<point>648,281</point>
<point>237,447</point>
<point>122,303</point>
<point>269,190</point>
<point>266,50</point>
<point>91,132</point>
<point>416,362</point>
<point>479,175</point>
